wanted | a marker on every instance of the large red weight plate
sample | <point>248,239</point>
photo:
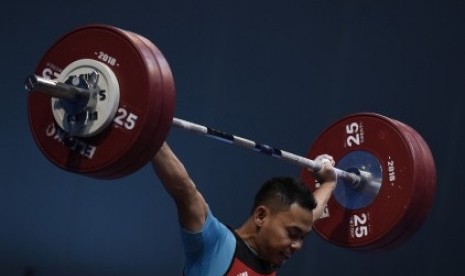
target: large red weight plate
<point>384,219</point>
<point>411,222</point>
<point>153,142</point>
<point>425,165</point>
<point>107,152</point>
<point>137,156</point>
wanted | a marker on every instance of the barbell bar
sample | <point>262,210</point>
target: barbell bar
<point>356,178</point>
<point>104,108</point>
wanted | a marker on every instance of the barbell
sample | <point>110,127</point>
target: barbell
<point>101,103</point>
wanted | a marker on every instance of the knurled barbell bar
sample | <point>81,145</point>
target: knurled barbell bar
<point>72,95</point>
<point>104,109</point>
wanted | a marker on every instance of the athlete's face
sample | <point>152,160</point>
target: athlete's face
<point>282,233</point>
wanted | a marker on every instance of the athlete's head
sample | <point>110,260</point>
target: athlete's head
<point>282,213</point>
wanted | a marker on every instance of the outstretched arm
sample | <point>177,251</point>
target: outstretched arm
<point>326,176</point>
<point>191,206</point>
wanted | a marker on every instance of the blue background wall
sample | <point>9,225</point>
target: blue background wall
<point>275,71</point>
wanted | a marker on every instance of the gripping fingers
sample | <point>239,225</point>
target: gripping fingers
<point>326,171</point>
<point>324,158</point>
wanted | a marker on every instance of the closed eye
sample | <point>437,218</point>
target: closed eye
<point>295,233</point>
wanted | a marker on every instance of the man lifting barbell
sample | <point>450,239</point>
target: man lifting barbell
<point>282,215</point>
<point>106,113</point>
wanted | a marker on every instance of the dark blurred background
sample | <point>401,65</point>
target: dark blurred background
<point>275,71</point>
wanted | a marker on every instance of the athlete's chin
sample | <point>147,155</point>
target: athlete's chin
<point>280,264</point>
<point>282,260</point>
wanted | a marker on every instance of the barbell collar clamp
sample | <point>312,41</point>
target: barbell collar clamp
<point>60,90</point>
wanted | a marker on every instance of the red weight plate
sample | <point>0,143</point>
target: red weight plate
<point>134,159</point>
<point>426,168</point>
<point>109,149</point>
<point>430,183</point>
<point>145,143</point>
<point>403,234</point>
<point>161,128</point>
<point>384,219</point>
<point>169,98</point>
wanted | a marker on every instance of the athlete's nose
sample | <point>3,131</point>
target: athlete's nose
<point>296,245</point>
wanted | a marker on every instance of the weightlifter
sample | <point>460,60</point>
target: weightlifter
<point>281,217</point>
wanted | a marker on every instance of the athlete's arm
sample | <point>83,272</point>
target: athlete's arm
<point>191,205</point>
<point>327,178</point>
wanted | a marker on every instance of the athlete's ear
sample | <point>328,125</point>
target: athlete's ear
<point>260,214</point>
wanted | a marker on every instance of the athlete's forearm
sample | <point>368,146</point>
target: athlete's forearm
<point>322,196</point>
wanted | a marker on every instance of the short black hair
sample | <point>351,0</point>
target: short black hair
<point>279,193</point>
